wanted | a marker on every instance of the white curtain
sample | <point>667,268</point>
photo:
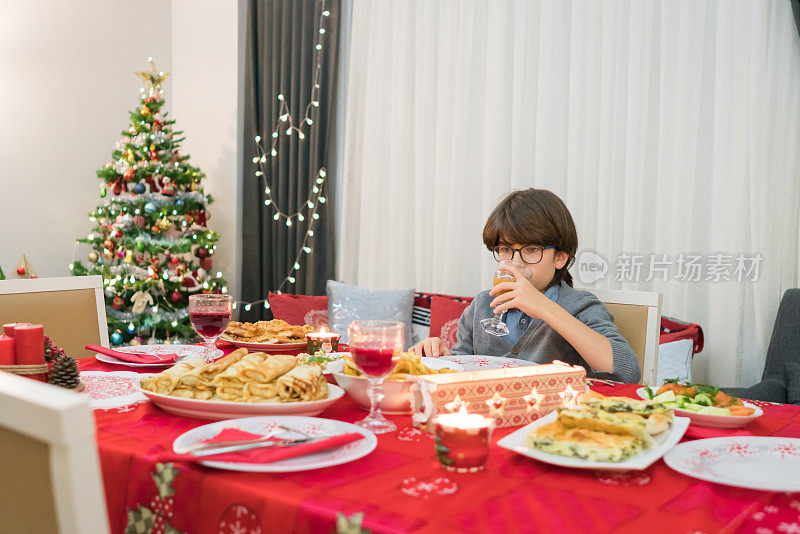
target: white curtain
<point>668,127</point>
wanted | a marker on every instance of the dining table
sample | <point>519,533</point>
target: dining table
<point>401,487</point>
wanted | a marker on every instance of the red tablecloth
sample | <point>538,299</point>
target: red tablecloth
<point>400,487</point>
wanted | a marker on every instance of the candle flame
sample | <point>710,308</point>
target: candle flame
<point>534,401</point>
<point>323,330</point>
<point>569,397</point>
<point>496,404</point>
<point>456,405</point>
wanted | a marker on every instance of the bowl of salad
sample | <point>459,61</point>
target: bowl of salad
<point>705,405</point>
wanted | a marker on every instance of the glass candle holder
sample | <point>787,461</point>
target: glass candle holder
<point>462,441</point>
<point>324,342</point>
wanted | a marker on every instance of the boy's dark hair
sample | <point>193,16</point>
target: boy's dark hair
<point>534,217</point>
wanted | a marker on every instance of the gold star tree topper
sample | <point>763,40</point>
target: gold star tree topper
<point>152,77</point>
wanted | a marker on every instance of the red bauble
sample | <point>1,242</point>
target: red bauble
<point>201,252</point>
<point>176,297</point>
<point>205,263</point>
<point>117,188</point>
<point>118,302</point>
<point>175,260</point>
<point>21,271</point>
<point>129,175</point>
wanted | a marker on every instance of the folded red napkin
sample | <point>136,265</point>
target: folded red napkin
<point>134,357</point>
<point>264,455</point>
<point>704,432</point>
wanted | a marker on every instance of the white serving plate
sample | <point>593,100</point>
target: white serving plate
<point>663,443</point>
<point>264,425</point>
<point>478,362</point>
<point>184,352</point>
<point>713,421</point>
<point>208,409</point>
<point>397,393</point>
<point>265,347</point>
<point>755,462</point>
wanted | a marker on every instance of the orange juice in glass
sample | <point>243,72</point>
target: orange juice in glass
<point>496,325</point>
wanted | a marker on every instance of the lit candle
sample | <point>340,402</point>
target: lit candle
<point>29,345</point>
<point>7,350</point>
<point>322,341</point>
<point>462,441</point>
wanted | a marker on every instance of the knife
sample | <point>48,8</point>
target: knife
<point>214,448</point>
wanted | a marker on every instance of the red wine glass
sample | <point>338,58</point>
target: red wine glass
<point>375,347</point>
<point>210,315</point>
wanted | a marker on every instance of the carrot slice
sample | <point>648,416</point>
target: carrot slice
<point>741,410</point>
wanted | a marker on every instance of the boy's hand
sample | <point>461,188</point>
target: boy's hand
<point>432,347</point>
<point>521,295</point>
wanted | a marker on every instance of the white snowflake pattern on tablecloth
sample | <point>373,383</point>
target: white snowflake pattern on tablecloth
<point>623,478</point>
<point>764,530</point>
<point>427,487</point>
<point>239,519</point>
<point>789,528</point>
<point>411,434</point>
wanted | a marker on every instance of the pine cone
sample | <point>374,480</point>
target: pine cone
<point>64,372</point>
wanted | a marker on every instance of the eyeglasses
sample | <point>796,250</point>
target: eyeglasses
<point>530,254</point>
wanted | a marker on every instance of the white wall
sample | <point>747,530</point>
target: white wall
<point>204,102</point>
<point>66,85</point>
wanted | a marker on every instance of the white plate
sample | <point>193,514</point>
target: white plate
<point>309,425</point>
<point>756,462</point>
<point>271,347</point>
<point>478,362</point>
<point>662,443</point>
<point>714,421</point>
<point>183,351</point>
<point>207,409</point>
<point>397,393</point>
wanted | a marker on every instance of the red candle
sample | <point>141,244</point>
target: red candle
<point>7,350</point>
<point>462,441</point>
<point>29,347</point>
<point>8,329</point>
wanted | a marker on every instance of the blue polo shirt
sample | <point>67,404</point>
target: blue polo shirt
<point>519,322</point>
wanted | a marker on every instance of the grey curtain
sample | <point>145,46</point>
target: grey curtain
<point>280,57</point>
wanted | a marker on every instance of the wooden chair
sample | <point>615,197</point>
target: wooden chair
<point>48,460</point>
<point>72,309</point>
<point>637,315</point>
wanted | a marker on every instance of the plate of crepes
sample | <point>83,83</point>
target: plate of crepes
<point>396,387</point>
<point>274,335</point>
<point>705,405</point>
<point>241,384</point>
<point>607,433</point>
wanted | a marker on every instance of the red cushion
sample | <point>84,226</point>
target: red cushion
<point>423,300</point>
<point>445,313</point>
<point>300,309</point>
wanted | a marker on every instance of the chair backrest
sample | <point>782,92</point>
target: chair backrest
<point>72,309</point>
<point>48,459</point>
<point>637,316</point>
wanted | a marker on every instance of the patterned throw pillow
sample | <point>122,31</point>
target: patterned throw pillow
<point>445,313</point>
<point>348,303</point>
<point>300,309</point>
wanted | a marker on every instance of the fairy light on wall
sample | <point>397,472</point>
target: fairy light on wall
<point>286,125</point>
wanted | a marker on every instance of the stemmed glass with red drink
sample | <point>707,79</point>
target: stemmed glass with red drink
<point>210,315</point>
<point>375,347</point>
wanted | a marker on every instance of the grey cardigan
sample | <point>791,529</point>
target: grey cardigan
<point>540,343</point>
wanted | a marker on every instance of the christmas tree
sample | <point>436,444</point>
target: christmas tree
<point>150,242</point>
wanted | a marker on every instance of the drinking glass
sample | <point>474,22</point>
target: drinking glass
<point>496,325</point>
<point>375,347</point>
<point>210,315</point>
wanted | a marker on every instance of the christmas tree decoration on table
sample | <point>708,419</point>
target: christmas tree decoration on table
<point>150,241</point>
